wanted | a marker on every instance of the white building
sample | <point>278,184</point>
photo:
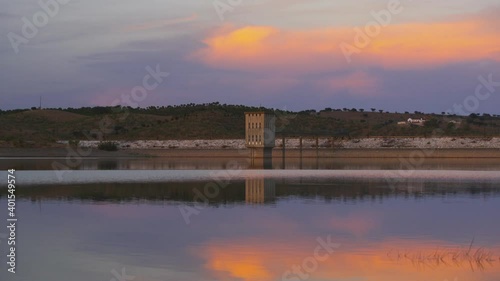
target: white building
<point>417,122</point>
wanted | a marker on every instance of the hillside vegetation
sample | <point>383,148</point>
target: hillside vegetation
<point>22,128</point>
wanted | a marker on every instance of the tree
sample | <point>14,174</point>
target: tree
<point>381,110</point>
<point>373,109</point>
<point>361,110</point>
<point>432,123</point>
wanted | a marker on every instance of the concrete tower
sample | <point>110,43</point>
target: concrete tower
<point>260,130</point>
<point>260,137</point>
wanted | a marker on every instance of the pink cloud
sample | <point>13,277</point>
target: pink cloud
<point>357,83</point>
<point>106,97</point>
<point>274,83</point>
<point>356,224</point>
<point>397,46</point>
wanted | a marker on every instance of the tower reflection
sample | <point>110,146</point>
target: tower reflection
<point>260,190</point>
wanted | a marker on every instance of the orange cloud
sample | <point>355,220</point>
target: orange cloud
<point>413,45</point>
<point>357,83</point>
<point>263,48</point>
<point>107,96</point>
<point>394,260</point>
<point>245,267</point>
<point>249,260</point>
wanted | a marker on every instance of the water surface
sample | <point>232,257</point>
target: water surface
<point>436,228</point>
<point>216,163</point>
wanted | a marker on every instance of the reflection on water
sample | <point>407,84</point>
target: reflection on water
<point>257,190</point>
<point>260,190</point>
<point>258,229</point>
<point>108,165</point>
<point>161,163</point>
<point>477,259</point>
<point>265,163</point>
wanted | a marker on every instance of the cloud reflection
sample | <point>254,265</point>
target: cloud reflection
<point>253,259</point>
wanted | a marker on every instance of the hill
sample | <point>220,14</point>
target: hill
<point>219,121</point>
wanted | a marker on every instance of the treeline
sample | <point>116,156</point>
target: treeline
<point>185,109</point>
<point>170,110</point>
<point>223,121</point>
<point>12,111</point>
<point>349,191</point>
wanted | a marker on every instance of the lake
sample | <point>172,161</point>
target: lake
<point>138,220</point>
<point>214,163</point>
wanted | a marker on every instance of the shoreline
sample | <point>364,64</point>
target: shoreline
<point>416,153</point>
<point>313,143</point>
<point>375,147</point>
<point>158,176</point>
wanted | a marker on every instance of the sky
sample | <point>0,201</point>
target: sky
<point>287,54</point>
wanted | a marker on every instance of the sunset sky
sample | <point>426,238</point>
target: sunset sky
<point>289,54</point>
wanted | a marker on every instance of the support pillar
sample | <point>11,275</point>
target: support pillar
<point>283,152</point>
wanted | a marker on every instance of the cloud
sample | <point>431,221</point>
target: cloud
<point>107,97</point>
<point>260,86</point>
<point>356,224</point>
<point>160,23</point>
<point>420,45</point>
<point>267,260</point>
<point>265,48</point>
<point>399,46</point>
<point>357,83</point>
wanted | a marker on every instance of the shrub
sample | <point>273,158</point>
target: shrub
<point>108,146</point>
